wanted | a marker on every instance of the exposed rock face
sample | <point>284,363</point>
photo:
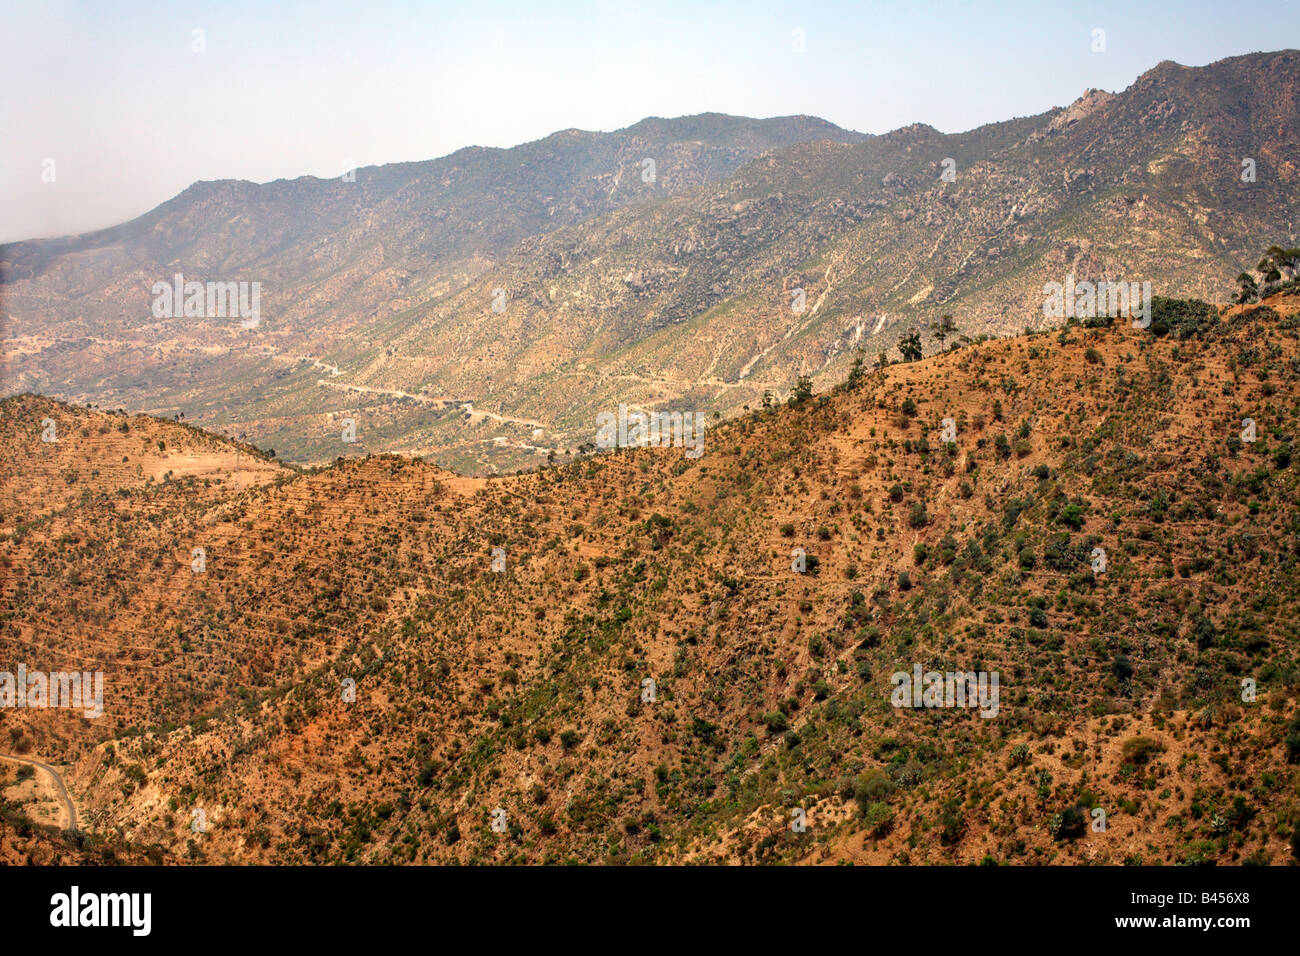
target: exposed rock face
<point>1086,105</point>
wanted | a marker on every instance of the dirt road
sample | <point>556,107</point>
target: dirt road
<point>70,812</point>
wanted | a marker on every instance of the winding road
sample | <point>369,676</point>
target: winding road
<point>69,809</point>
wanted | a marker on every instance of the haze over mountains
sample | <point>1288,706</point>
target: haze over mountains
<point>547,282</point>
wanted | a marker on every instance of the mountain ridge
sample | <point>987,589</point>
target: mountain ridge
<point>877,241</point>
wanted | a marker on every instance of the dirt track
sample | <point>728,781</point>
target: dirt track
<point>69,810</point>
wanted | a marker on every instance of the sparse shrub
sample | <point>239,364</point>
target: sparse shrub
<point>1121,667</point>
<point>1069,824</point>
<point>1293,743</point>
<point>1019,755</point>
<point>1141,750</point>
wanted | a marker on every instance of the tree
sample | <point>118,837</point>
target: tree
<point>1289,261</point>
<point>802,390</point>
<point>1249,290</point>
<point>856,372</point>
<point>1293,745</point>
<point>942,329</point>
<point>910,347</point>
<point>1283,261</point>
<point>1122,668</point>
<point>1276,265</point>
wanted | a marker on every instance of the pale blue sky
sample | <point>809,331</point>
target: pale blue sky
<point>115,94</point>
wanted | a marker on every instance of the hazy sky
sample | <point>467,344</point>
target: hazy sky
<point>130,112</point>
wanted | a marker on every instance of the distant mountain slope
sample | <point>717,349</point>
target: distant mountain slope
<point>691,300</point>
<point>484,308</point>
<point>437,216</point>
<point>332,256</point>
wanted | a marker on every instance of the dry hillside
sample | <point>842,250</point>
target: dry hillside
<point>522,691</point>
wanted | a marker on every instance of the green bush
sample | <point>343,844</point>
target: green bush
<point>872,787</point>
<point>1182,318</point>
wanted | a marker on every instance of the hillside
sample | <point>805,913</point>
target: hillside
<point>523,690</point>
<point>482,309</point>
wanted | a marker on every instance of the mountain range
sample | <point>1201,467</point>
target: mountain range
<point>482,309</point>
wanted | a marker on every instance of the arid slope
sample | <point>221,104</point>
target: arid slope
<point>230,689</point>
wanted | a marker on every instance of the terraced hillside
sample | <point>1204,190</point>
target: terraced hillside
<point>359,675</point>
